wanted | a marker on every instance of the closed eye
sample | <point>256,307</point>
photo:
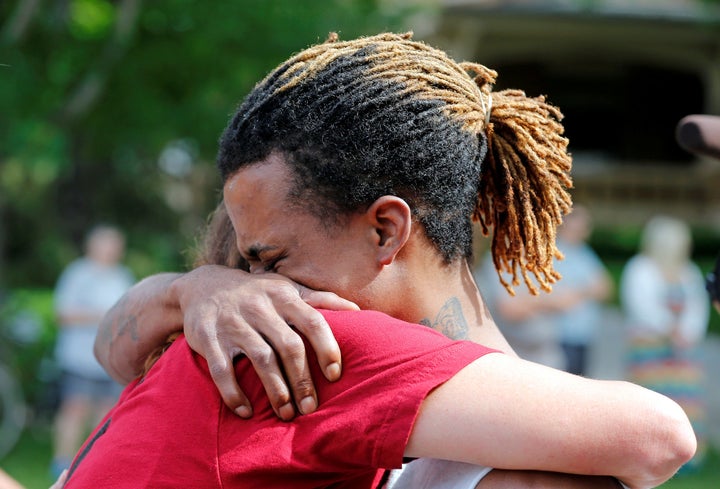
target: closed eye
<point>260,258</point>
<point>271,266</point>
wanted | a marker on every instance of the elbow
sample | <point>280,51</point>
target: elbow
<point>682,442</point>
<point>673,444</point>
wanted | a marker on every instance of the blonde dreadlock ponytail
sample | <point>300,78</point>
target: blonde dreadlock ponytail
<point>523,194</point>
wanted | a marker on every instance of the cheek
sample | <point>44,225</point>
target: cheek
<point>341,266</point>
<point>330,275</point>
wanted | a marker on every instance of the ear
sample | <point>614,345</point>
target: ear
<point>392,220</point>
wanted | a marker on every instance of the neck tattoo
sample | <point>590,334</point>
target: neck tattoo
<point>450,321</point>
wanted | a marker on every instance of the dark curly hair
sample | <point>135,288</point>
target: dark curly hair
<point>386,115</point>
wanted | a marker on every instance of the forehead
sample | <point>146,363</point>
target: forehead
<point>256,198</point>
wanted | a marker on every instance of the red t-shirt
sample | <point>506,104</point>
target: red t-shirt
<point>171,429</point>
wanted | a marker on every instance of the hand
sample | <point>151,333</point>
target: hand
<point>228,312</point>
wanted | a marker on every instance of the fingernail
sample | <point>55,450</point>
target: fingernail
<point>307,405</point>
<point>332,371</point>
<point>286,412</point>
<point>243,411</point>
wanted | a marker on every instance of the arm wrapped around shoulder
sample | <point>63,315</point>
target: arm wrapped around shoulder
<point>539,418</point>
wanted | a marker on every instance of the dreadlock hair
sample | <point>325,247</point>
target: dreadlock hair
<point>386,115</point>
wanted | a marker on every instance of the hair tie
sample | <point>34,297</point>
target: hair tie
<point>487,109</point>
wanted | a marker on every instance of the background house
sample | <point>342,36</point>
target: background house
<point>623,73</point>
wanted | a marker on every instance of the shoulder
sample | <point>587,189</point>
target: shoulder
<point>76,266</point>
<point>639,264</point>
<point>74,271</point>
<point>374,324</point>
<point>373,334</point>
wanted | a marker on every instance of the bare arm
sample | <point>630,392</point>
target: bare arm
<point>517,479</point>
<point>138,323</point>
<point>512,414</point>
<point>227,312</point>
<point>7,482</point>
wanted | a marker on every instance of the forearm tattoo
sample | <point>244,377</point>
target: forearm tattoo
<point>450,321</point>
<point>122,322</point>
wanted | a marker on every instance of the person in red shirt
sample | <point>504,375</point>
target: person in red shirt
<point>355,167</point>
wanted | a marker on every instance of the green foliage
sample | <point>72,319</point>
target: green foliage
<point>92,91</point>
<point>90,19</point>
<point>27,338</point>
<point>621,242</point>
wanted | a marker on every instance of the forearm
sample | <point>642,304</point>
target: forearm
<point>514,479</point>
<point>138,323</point>
<point>567,423</point>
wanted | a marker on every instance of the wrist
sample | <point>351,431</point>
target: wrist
<point>174,293</point>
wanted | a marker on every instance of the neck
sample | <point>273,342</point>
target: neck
<point>448,300</point>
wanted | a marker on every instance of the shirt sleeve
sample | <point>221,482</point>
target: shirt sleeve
<point>388,370</point>
<point>364,419</point>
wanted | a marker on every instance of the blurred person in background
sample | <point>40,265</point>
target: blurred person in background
<point>555,329</point>
<point>526,320</point>
<point>667,310</point>
<point>584,287</point>
<point>86,290</point>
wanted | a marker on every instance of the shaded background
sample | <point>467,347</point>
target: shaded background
<point>110,111</point>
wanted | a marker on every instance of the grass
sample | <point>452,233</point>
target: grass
<point>29,463</point>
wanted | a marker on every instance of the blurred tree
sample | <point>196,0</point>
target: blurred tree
<point>94,91</point>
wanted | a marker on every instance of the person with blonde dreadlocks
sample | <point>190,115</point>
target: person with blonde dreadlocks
<point>355,167</point>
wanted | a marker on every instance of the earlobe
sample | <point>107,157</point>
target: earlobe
<point>392,219</point>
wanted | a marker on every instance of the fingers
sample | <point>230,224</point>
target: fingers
<point>228,312</point>
<point>313,326</point>
<point>287,308</point>
<point>326,300</point>
<point>223,375</point>
<point>265,361</point>
<point>220,348</point>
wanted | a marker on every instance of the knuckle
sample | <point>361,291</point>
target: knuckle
<point>219,370</point>
<point>253,306</point>
<point>201,332</point>
<point>292,346</point>
<point>262,357</point>
<point>280,397</point>
<point>303,387</point>
<point>315,323</point>
<point>285,292</point>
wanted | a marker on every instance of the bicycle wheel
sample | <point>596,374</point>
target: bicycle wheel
<point>12,411</point>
